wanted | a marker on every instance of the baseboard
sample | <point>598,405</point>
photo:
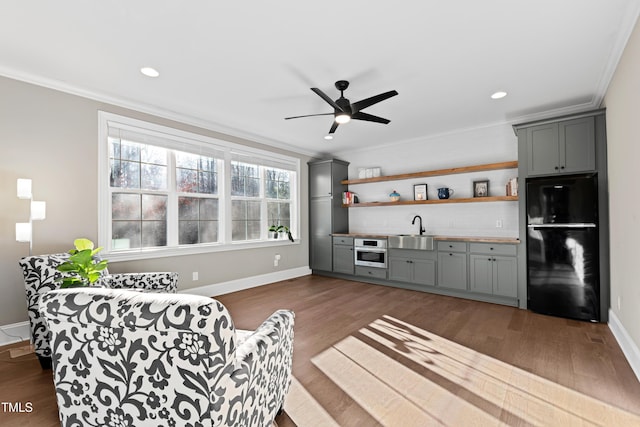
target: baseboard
<point>247,282</point>
<point>15,332</point>
<point>628,346</point>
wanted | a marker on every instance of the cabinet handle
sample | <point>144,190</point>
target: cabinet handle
<point>561,167</point>
<point>490,249</point>
<point>556,168</point>
<point>450,254</point>
<point>488,259</point>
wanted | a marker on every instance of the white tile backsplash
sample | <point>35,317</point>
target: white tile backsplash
<point>470,147</point>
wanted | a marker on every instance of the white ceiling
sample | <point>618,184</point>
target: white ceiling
<point>242,66</point>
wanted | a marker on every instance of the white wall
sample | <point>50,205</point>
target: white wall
<point>464,148</point>
<point>623,149</point>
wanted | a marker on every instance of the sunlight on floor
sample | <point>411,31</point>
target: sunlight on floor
<point>403,375</point>
<point>303,409</point>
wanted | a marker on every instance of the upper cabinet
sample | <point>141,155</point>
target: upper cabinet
<point>562,147</point>
<point>320,179</point>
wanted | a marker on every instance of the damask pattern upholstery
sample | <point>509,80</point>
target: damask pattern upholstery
<point>41,276</point>
<point>126,358</point>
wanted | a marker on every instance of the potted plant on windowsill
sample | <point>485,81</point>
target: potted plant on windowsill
<point>82,268</point>
<point>275,229</point>
<point>286,230</point>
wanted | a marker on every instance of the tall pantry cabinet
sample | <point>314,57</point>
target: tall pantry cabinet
<point>326,214</point>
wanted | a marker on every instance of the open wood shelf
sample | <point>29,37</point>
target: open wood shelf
<point>436,201</point>
<point>450,171</point>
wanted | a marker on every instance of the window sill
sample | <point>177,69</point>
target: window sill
<point>134,255</point>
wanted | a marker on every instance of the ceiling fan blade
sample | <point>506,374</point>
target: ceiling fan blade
<point>309,115</point>
<point>369,118</point>
<point>361,105</point>
<point>334,126</point>
<point>324,96</point>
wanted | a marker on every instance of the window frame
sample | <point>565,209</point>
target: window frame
<point>179,140</point>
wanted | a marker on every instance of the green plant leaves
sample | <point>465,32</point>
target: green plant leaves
<point>82,268</point>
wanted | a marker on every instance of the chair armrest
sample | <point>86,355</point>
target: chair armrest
<point>156,281</point>
<point>263,364</point>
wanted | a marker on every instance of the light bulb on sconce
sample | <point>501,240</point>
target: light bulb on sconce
<point>38,212</point>
<point>23,232</point>
<point>24,188</point>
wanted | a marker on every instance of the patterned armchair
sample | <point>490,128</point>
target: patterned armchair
<point>41,276</point>
<point>128,358</point>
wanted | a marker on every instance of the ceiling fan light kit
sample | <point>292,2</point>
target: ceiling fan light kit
<point>344,111</point>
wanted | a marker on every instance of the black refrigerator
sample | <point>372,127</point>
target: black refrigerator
<point>562,246</point>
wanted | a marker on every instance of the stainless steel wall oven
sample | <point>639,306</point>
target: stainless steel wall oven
<point>371,252</point>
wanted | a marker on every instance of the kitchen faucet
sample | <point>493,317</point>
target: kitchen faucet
<point>414,221</point>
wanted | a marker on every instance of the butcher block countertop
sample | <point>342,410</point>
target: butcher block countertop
<point>476,239</point>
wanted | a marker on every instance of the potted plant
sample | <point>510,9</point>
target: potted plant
<point>82,268</point>
<point>275,229</point>
<point>286,229</point>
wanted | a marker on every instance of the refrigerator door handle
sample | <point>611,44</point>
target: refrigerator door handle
<point>572,225</point>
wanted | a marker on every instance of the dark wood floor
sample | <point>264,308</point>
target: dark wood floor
<point>579,355</point>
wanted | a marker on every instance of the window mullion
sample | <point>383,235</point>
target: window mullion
<point>172,202</point>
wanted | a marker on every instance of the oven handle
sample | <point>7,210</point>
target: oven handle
<point>370,249</point>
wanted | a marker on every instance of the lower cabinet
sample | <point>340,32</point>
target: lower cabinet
<point>452,265</point>
<point>343,258</point>
<point>493,269</point>
<point>483,271</point>
<point>412,266</point>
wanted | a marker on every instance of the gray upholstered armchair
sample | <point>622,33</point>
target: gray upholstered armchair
<point>41,276</point>
<point>129,358</point>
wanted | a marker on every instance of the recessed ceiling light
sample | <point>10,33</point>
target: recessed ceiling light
<point>149,72</point>
<point>328,137</point>
<point>498,95</point>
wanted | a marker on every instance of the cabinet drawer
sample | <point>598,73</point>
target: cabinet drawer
<point>348,241</point>
<point>452,246</point>
<point>493,248</point>
<point>378,273</point>
<point>412,253</point>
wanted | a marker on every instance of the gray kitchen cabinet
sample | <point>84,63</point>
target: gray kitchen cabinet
<point>343,257</point>
<point>562,147</point>
<point>326,215</point>
<point>493,269</point>
<point>412,266</point>
<point>452,265</point>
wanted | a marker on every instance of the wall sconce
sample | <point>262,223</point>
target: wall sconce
<point>38,212</point>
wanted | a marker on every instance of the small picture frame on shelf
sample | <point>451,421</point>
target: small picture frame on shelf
<point>481,188</point>
<point>420,192</point>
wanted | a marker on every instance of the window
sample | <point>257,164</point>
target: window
<point>164,190</point>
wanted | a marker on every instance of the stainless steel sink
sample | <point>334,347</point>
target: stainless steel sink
<point>411,241</point>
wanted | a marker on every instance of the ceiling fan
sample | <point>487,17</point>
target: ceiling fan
<point>344,111</point>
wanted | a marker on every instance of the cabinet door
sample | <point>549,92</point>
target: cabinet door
<point>320,179</point>
<point>343,261</point>
<point>452,270</point>
<point>424,272</point>
<point>542,149</point>
<point>577,145</point>
<point>481,273</point>
<point>400,269</point>
<point>505,276</point>
<point>320,230</point>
